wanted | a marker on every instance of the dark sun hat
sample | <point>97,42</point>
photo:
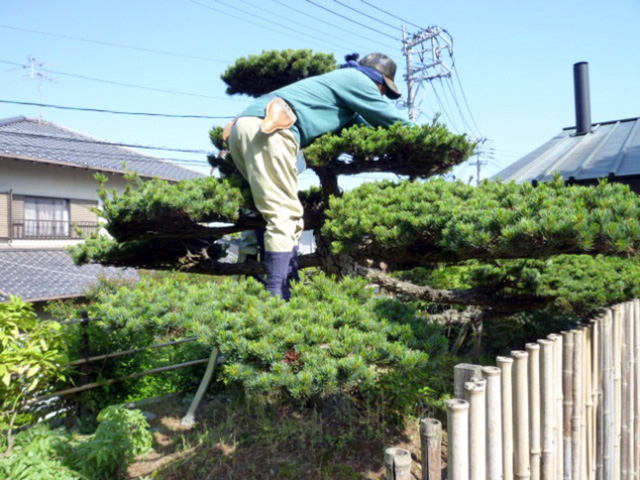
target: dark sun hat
<point>387,67</point>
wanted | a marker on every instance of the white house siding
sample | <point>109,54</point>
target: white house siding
<point>25,178</point>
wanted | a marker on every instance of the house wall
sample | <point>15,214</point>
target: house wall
<point>19,178</point>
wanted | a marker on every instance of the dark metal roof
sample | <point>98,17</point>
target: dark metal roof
<point>31,139</point>
<point>36,275</point>
<point>611,149</point>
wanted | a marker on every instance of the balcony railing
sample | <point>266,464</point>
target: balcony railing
<point>51,229</point>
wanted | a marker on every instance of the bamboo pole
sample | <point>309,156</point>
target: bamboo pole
<point>475,395</point>
<point>90,386</point>
<point>557,372</point>
<point>106,356</point>
<point>397,463</point>
<point>585,426</point>
<point>594,393</point>
<point>608,398</point>
<point>578,404</point>
<point>431,442</point>
<point>599,406</point>
<point>567,387</point>
<point>625,413</point>
<point>547,411</point>
<point>627,395</point>
<point>506,387</point>
<point>521,460</point>
<point>617,381</point>
<point>458,422</point>
<point>636,390</point>
<point>190,416</point>
<point>632,390</point>
<point>533,349</point>
<point>494,423</point>
<point>463,373</point>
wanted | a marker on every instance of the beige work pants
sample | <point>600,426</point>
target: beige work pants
<point>268,162</point>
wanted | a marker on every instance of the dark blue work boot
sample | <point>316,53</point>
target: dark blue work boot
<point>292,274</point>
<point>278,267</point>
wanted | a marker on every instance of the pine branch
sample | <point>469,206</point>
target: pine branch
<point>472,297</point>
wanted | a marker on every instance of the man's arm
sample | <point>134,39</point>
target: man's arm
<point>364,98</point>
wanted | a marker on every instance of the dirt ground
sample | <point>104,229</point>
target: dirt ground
<point>230,441</point>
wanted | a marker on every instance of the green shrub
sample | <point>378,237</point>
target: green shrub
<point>32,353</point>
<point>121,435</point>
<point>332,338</point>
<point>44,454</point>
<point>39,454</point>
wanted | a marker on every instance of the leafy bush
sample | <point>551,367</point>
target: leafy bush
<point>32,353</point>
<point>122,435</point>
<point>41,453</point>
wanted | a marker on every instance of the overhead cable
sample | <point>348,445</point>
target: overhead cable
<point>354,21</point>
<point>391,14</point>
<point>464,96</point>
<point>342,47</point>
<point>449,83</point>
<point>118,45</point>
<point>244,20</point>
<point>367,15</point>
<point>130,85</point>
<point>317,19</point>
<point>101,110</point>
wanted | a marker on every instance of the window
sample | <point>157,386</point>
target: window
<point>46,217</point>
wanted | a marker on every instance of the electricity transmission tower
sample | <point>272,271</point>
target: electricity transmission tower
<point>429,55</point>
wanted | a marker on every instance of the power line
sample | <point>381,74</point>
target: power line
<point>244,20</point>
<point>101,142</point>
<point>130,85</point>
<point>366,15</point>
<point>353,21</point>
<point>100,110</point>
<point>317,19</point>
<point>464,96</point>
<point>271,13</point>
<point>391,14</point>
<point>462,116</point>
<point>118,45</point>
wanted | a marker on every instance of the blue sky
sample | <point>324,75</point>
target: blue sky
<point>513,80</point>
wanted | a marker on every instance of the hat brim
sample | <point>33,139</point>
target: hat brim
<point>392,89</point>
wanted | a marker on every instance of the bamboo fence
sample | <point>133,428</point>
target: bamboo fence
<point>565,408</point>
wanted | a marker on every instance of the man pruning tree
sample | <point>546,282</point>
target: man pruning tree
<point>265,139</point>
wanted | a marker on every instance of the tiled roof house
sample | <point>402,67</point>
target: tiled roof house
<point>47,191</point>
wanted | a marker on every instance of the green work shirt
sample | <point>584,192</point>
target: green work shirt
<point>329,102</point>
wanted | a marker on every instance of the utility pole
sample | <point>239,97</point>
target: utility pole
<point>33,67</point>
<point>429,55</point>
<point>478,163</point>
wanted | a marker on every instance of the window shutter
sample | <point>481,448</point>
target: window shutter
<point>5,221</point>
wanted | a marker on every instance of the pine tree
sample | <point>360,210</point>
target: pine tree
<point>490,250</point>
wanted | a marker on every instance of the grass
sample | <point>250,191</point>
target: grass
<point>237,438</point>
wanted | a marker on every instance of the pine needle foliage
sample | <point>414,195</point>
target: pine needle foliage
<point>147,206</point>
<point>426,223</point>
<point>420,150</point>
<point>333,338</point>
<point>257,75</point>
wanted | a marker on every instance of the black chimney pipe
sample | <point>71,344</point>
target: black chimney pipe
<point>583,102</point>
